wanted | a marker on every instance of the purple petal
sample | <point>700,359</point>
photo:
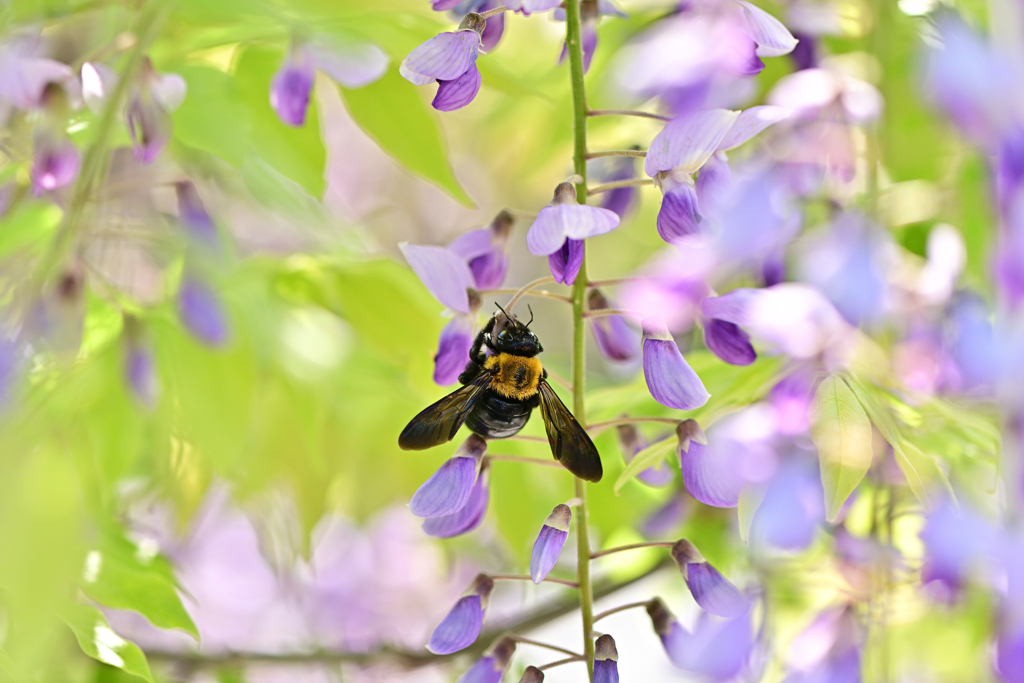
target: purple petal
<point>772,38</point>
<point>589,39</point>
<point>806,53</point>
<point>665,519</point>
<point>352,65</point>
<point>528,7</point>
<point>201,312</point>
<point>606,660</point>
<point>713,592</point>
<point>467,518</point>
<point>443,273</point>
<point>1010,653</point>
<point>456,94</point>
<point>712,477</point>
<point>548,546</point>
<point>193,215</point>
<point>460,628</point>
<point>728,342</point>
<point>958,542</point>
<point>751,122</point>
<point>150,127</point>
<point>453,348</point>
<point>448,490</point>
<point>168,90</point>
<point>622,199</point>
<point>671,381</point>
<point>686,142</point>
<point>444,57</point>
<point>576,221</point>
<point>791,400</point>
<point>55,163</point>
<point>291,87</point>
<point>140,371</point>
<point>792,509</point>
<point>716,650</point>
<point>472,244</point>
<point>565,263</point>
<point>679,217</point>
<point>616,340</point>
<point>23,79</point>
<point>493,28</point>
<point>713,183</point>
<point>443,5</point>
<point>485,670</point>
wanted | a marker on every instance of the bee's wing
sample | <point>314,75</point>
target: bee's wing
<point>437,423</point>
<point>570,443</point>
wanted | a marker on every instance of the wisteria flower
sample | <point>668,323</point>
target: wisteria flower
<point>670,379</point>
<point>466,518</point>
<point>606,660</point>
<point>621,200</point>
<point>154,97</point>
<point>616,340</point>
<point>492,666</point>
<point>632,442</point>
<point>453,347</point>
<point>561,223</point>
<point>548,546</point>
<point>709,588</point>
<point>25,76</point>
<point>485,250</point>
<point>351,66</point>
<point>717,649</point>
<point>448,490</point>
<point>202,312</point>
<point>444,273</point>
<point>460,628</point>
<point>449,59</point>
<point>495,26</point>
<point>792,509</point>
<point>55,161</point>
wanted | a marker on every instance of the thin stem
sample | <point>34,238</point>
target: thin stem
<point>617,153</point>
<point>525,577</point>
<point>522,458</point>
<point>492,12</point>
<point>627,112</point>
<point>632,182</point>
<point>521,292</point>
<point>549,646</point>
<point>632,546</point>
<point>603,312</point>
<point>560,662</point>
<point>534,292</point>
<point>620,608</point>
<point>574,47</point>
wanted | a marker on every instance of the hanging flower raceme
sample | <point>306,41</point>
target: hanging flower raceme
<point>606,660</point>
<point>152,100</point>
<point>351,66</point>
<point>709,588</point>
<point>548,546</point>
<point>670,379</point>
<point>717,649</point>
<point>492,666</point>
<point>461,627</point>
<point>449,489</point>
<point>560,228</point>
<point>616,340</point>
<point>632,442</point>
<point>469,516</point>
<point>449,59</point>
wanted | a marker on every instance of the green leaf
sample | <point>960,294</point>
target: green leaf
<point>842,432</point>
<point>213,118</point>
<point>99,641</point>
<point>393,113</point>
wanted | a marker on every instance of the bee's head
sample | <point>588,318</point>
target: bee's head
<point>511,336</point>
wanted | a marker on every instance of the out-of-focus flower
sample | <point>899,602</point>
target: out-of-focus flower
<point>352,66</point>
<point>25,76</point>
<point>450,59</point>
<point>671,287</point>
<point>727,341</point>
<point>548,546</point>
<point>670,379</point>
<point>55,160</point>
<point>484,250</point>
<point>469,516</point>
<point>792,509</point>
<point>709,588</point>
<point>606,660</point>
<point>616,340</point>
<point>528,7</point>
<point>193,215</point>
<point>790,400</point>
<point>973,343</point>
<point>565,219</point>
<point>827,651</point>
<point>152,100</point>
<point>632,442</point>
<point>140,371</point>
<point>717,649</point>
<point>460,628</point>
<point>201,311</point>
<point>448,490</point>
<point>609,170</point>
<point>492,666</point>
<point>958,544</point>
<point>665,519</point>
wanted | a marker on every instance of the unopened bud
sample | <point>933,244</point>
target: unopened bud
<point>687,431</point>
<point>565,193</point>
<point>473,22</point>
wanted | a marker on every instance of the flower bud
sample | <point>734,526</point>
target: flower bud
<point>491,667</point>
<point>532,675</point>
<point>449,489</point>
<point>606,660</point>
<point>616,340</point>
<point>689,430</point>
<point>712,591</point>
<point>202,312</point>
<point>631,443</point>
<point>139,365</point>
<point>548,546</point>
<point>670,379</point>
<point>473,22</point>
<point>565,193</point>
<point>469,516</point>
<point>149,111</point>
<point>292,85</point>
<point>461,627</point>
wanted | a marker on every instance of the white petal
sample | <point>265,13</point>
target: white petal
<point>772,38</point>
<point>352,66</point>
<point>686,142</point>
<point>751,122</point>
<point>169,91</point>
<point>98,81</point>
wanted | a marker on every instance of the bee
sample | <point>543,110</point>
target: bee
<point>499,392</point>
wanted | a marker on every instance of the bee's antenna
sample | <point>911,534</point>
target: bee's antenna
<point>503,311</point>
<point>531,315</point>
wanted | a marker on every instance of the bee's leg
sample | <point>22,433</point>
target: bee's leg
<point>470,373</point>
<point>476,353</point>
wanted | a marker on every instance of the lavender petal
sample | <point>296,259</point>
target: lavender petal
<point>202,312</point>
<point>460,628</point>
<point>443,273</point>
<point>448,489</point>
<point>679,217</point>
<point>444,57</point>
<point>456,94</point>
<point>670,379</point>
<point>727,341</point>
<point>566,262</point>
<point>686,142</point>
<point>575,221</point>
<point>713,592</point>
<point>467,518</point>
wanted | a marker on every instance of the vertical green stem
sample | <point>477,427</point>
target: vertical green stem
<point>579,118</point>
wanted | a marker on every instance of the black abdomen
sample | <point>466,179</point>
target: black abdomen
<point>497,417</point>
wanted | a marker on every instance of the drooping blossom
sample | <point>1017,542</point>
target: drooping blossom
<point>202,312</point>
<point>350,65</point>
<point>606,660</point>
<point>450,60</point>
<point>716,650</point>
<point>460,628</point>
<point>563,221</point>
<point>453,347</point>
<point>632,442</point>
<point>495,26</point>
<point>548,546</point>
<point>485,250</point>
<point>670,379</point>
<point>448,490</point>
<point>55,160</point>
<point>712,591</point>
<point>565,263</point>
<point>151,101</point>
<point>492,666</point>
<point>616,340</point>
<point>792,509</point>
<point>469,516</point>
<point>24,75</point>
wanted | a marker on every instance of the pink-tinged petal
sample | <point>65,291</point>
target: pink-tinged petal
<point>606,660</point>
<point>453,350</point>
<point>575,221</point>
<point>713,592</point>
<point>468,517</point>
<point>670,379</point>
<point>566,262</point>
<point>470,245</point>
<point>616,340</point>
<point>55,162</point>
<point>727,341</point>
<point>443,273</point>
<point>751,122</point>
<point>444,57</point>
<point>98,81</point>
<point>460,627</point>
<point>679,217</point>
<point>548,546</point>
<point>351,66</point>
<point>291,88</point>
<point>456,94</point>
<point>448,489</point>
<point>772,38</point>
<point>686,142</point>
<point>710,476</point>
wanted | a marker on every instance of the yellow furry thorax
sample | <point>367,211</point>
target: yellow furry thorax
<point>517,376</point>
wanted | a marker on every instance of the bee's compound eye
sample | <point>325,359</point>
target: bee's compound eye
<point>504,335</point>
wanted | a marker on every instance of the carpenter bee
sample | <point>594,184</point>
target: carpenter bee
<point>499,392</point>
